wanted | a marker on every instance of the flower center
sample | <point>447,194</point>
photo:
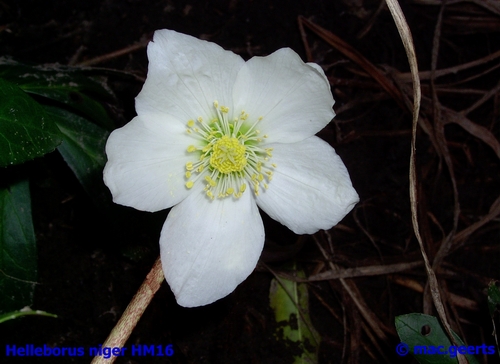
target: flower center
<point>229,154</point>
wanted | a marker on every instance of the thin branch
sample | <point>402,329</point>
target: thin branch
<point>122,330</point>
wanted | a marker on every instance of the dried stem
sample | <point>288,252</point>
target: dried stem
<point>407,39</point>
<point>106,57</point>
<point>122,330</point>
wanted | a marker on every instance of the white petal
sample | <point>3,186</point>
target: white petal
<point>294,98</point>
<point>209,248</point>
<point>146,163</point>
<point>310,189</point>
<point>186,75</point>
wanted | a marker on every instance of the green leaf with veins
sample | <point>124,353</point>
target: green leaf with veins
<point>18,270</point>
<point>26,132</point>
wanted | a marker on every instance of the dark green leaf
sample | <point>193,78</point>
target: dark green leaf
<point>411,330</point>
<point>493,298</point>
<point>26,132</point>
<point>17,248</point>
<point>67,85</point>
<point>82,148</point>
<point>494,307</point>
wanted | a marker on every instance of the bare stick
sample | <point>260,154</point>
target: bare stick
<point>134,47</point>
<point>407,39</point>
<point>122,330</point>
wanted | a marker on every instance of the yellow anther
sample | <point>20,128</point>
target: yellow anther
<point>228,155</point>
<point>210,181</point>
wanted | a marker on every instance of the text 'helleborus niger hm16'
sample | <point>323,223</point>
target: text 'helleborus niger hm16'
<point>215,137</point>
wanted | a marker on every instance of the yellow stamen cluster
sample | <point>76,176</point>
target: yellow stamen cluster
<point>228,154</point>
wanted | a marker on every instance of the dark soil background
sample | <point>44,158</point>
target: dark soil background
<point>91,260</point>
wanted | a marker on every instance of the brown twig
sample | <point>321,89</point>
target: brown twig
<point>372,320</point>
<point>406,77</point>
<point>443,150</point>
<point>122,330</point>
<point>106,57</point>
<point>407,39</point>
<point>372,270</point>
<point>356,57</point>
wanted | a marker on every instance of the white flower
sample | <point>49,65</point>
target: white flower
<point>215,137</point>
